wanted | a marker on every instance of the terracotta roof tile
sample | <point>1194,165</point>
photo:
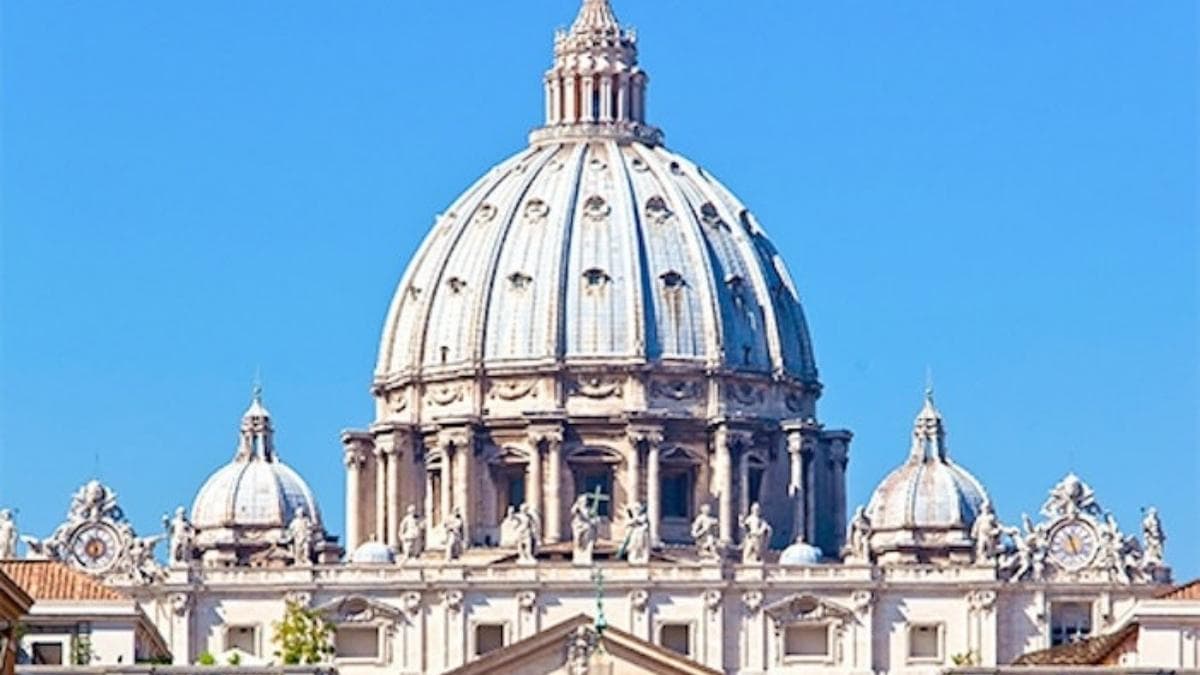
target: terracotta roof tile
<point>49,580</point>
<point>1090,652</point>
<point>1188,591</point>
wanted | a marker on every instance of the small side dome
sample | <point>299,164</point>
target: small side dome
<point>243,512</point>
<point>923,510</point>
<point>372,553</point>
<point>800,553</point>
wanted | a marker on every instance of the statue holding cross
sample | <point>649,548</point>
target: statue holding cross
<point>585,515</point>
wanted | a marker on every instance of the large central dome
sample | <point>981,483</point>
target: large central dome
<point>596,245</point>
<point>596,313</point>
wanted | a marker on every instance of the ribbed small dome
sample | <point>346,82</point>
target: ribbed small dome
<point>255,496</point>
<point>927,505</point>
<point>800,553</point>
<point>253,493</point>
<point>372,553</point>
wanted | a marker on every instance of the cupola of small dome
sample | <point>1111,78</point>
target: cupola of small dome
<point>256,511</point>
<point>923,511</point>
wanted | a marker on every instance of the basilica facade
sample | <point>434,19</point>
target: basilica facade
<point>596,422</point>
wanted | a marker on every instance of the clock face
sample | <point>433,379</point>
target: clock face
<point>95,547</point>
<point>1073,545</point>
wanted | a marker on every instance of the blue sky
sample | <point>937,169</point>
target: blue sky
<point>1003,192</point>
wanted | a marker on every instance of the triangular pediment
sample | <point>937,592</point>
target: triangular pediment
<point>573,647</point>
<point>358,609</point>
<point>805,608</point>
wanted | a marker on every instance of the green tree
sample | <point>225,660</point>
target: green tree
<point>303,636</point>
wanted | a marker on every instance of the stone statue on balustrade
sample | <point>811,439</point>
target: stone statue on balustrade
<point>636,547</point>
<point>300,533</point>
<point>858,538</point>
<point>756,536</point>
<point>526,527</point>
<point>8,535</point>
<point>1030,556</point>
<point>706,534</point>
<point>181,536</point>
<point>584,519</point>
<point>987,534</point>
<point>455,537</point>
<point>412,534</point>
<point>1153,536</point>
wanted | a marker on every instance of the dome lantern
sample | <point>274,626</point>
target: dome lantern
<point>595,87</point>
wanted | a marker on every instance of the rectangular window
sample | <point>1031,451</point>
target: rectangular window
<point>809,642</point>
<point>1070,622</point>
<point>488,638</point>
<point>47,654</point>
<point>435,495</point>
<point>676,495</point>
<point>586,482</point>
<point>925,643</point>
<point>516,490</point>
<point>677,637</point>
<point>244,638</point>
<point>359,642</point>
<point>755,487</point>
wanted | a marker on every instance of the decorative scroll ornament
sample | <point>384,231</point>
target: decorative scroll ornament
<point>180,603</point>
<point>753,600</point>
<point>527,600</point>
<point>712,599</point>
<point>536,211</point>
<point>411,601</point>
<point>639,599</point>
<point>97,539</point>
<point>453,598</point>
<point>512,390</point>
<point>595,386</point>
<point>445,394</point>
<point>745,394</point>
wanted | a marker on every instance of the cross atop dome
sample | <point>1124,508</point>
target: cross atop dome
<point>595,89</point>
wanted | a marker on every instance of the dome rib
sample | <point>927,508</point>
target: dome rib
<point>712,354</point>
<point>496,253</point>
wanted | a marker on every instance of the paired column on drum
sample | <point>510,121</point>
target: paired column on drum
<point>357,446</point>
<point>547,438</point>
<point>729,441</point>
<point>802,438</point>
<point>651,439</point>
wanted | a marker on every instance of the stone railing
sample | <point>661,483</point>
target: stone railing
<point>147,669</point>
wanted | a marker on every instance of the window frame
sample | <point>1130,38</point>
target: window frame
<point>1088,602</point>
<point>674,623</point>
<point>505,636</point>
<point>826,658</point>
<point>255,637</point>
<point>380,652</point>
<point>687,475</point>
<point>939,629</point>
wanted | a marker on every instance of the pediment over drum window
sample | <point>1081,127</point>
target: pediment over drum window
<point>508,455</point>
<point>804,608</point>
<point>352,609</point>
<point>678,455</point>
<point>594,455</point>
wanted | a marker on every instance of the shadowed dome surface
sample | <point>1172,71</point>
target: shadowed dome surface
<point>928,491</point>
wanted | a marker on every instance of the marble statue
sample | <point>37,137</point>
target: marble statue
<point>636,547</point>
<point>858,539</point>
<point>455,526</point>
<point>756,536</point>
<point>1030,556</point>
<point>705,534</point>
<point>526,527</point>
<point>182,537</point>
<point>583,530</point>
<point>8,535</point>
<point>1153,536</point>
<point>143,568</point>
<point>301,533</point>
<point>987,534</point>
<point>412,534</point>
